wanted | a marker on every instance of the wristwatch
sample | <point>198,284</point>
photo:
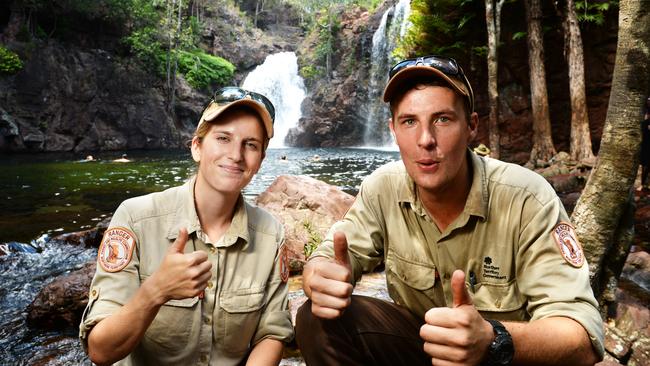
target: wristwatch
<point>501,350</point>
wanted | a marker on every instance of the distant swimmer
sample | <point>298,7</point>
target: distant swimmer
<point>315,158</point>
<point>123,159</point>
<point>284,159</point>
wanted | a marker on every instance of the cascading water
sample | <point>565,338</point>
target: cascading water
<point>393,26</point>
<point>277,78</point>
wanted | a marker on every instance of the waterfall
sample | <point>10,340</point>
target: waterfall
<point>277,78</point>
<point>393,26</point>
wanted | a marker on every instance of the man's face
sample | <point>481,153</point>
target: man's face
<point>432,133</point>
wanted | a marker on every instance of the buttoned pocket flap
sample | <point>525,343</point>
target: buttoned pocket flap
<point>416,275</point>
<point>242,301</point>
<point>501,297</point>
<point>183,303</point>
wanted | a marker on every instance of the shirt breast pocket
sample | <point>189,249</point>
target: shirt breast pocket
<point>241,314</point>
<point>500,300</point>
<point>175,327</point>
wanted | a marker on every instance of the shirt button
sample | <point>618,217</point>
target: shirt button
<point>213,250</point>
<point>210,284</point>
<point>204,358</point>
<point>498,303</point>
<point>207,320</point>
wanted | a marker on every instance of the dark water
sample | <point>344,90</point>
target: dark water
<point>44,195</point>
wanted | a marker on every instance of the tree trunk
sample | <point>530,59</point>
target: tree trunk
<point>493,20</point>
<point>330,49</point>
<point>543,148</point>
<point>177,36</point>
<point>580,134</point>
<point>604,213</point>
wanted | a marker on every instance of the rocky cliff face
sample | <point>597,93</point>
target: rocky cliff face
<point>72,99</point>
<point>335,108</point>
<point>86,94</point>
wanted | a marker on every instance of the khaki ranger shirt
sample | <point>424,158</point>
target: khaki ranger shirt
<point>245,300</point>
<point>502,240</point>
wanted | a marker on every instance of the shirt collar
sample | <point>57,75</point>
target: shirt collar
<point>186,216</point>
<point>477,199</point>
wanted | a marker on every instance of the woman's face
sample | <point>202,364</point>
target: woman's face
<point>231,152</point>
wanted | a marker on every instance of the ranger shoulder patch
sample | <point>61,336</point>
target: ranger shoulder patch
<point>567,241</point>
<point>116,249</point>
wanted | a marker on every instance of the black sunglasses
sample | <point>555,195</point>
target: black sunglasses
<point>231,94</point>
<point>447,65</point>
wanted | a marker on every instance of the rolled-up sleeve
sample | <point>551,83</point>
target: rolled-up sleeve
<point>109,291</point>
<point>552,286</point>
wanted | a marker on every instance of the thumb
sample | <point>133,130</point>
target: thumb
<point>341,248</point>
<point>458,290</point>
<point>179,244</point>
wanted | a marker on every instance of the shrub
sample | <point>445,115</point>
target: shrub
<point>202,70</point>
<point>9,61</point>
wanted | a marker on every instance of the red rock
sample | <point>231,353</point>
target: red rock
<point>307,207</point>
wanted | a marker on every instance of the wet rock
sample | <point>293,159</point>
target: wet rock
<point>16,247</point>
<point>89,238</point>
<point>307,207</point>
<point>60,304</point>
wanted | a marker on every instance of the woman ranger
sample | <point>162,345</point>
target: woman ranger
<point>194,274</point>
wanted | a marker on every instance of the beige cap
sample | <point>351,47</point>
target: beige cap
<point>422,71</point>
<point>214,110</point>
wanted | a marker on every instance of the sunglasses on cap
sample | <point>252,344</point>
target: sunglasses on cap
<point>232,94</point>
<point>446,65</point>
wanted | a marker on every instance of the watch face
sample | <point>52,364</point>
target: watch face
<point>503,350</point>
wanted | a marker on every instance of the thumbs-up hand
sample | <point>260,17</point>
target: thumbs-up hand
<point>326,281</point>
<point>181,275</point>
<point>457,335</point>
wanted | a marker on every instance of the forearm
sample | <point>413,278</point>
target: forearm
<point>116,336</point>
<point>551,341</point>
<point>267,352</point>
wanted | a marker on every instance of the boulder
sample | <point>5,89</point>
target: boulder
<point>307,207</point>
<point>90,238</point>
<point>61,303</point>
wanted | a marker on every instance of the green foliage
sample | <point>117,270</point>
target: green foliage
<point>519,35</point>
<point>437,27</point>
<point>147,49</point>
<point>480,51</point>
<point>594,11</point>
<point>314,240</point>
<point>310,72</point>
<point>202,70</point>
<point>328,27</point>
<point>9,62</point>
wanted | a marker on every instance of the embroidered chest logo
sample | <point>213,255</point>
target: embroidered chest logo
<point>567,241</point>
<point>491,270</point>
<point>116,249</point>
